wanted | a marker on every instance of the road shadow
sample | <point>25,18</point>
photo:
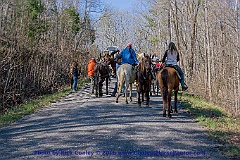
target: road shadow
<point>98,128</point>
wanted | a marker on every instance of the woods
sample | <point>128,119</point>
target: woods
<point>40,38</point>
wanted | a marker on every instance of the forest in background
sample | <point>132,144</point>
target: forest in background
<point>40,38</point>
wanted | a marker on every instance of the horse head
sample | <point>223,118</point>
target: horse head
<point>145,64</point>
<point>110,61</point>
<point>140,56</point>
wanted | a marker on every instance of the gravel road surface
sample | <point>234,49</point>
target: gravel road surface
<point>81,126</point>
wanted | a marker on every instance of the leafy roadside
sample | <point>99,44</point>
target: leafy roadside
<point>222,127</point>
<point>30,106</point>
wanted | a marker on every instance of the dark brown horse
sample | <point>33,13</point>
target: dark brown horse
<point>110,61</point>
<point>101,74</point>
<point>168,81</point>
<point>144,79</point>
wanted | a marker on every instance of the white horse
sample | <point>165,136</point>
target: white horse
<point>125,73</point>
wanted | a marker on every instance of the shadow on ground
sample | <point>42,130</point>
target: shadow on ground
<point>85,127</point>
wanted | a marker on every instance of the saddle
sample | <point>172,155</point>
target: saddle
<point>173,66</point>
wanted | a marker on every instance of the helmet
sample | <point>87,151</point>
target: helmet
<point>129,44</point>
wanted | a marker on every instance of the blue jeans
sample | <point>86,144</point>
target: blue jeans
<point>116,86</point>
<point>181,74</point>
<point>74,87</point>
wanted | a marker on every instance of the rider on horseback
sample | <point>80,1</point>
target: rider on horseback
<point>128,55</point>
<point>171,57</point>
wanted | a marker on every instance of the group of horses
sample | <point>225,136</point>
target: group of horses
<point>167,77</point>
<point>168,80</point>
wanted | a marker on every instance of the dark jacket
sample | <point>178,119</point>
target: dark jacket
<point>75,72</point>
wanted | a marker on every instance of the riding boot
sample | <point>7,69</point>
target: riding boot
<point>184,86</point>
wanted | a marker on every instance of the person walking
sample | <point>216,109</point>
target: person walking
<point>128,55</point>
<point>91,66</point>
<point>74,71</point>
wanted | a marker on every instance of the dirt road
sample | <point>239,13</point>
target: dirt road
<point>81,126</point>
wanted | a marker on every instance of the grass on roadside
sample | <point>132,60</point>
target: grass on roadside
<point>222,127</point>
<point>29,107</point>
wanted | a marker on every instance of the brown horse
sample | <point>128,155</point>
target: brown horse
<point>110,61</point>
<point>168,81</point>
<point>144,79</point>
<point>101,74</point>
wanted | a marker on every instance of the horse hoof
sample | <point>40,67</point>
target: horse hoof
<point>164,115</point>
<point>169,116</point>
<point>116,101</point>
<point>175,111</point>
<point>171,111</point>
<point>127,102</point>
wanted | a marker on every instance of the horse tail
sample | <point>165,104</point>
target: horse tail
<point>164,76</point>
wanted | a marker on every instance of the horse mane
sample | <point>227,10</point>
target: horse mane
<point>140,56</point>
<point>142,65</point>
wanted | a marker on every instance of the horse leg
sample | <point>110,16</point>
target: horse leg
<point>96,86</point>
<point>130,86</point>
<point>175,102</point>
<point>169,105</point>
<point>164,108</point>
<point>107,85</point>
<point>138,94</point>
<point>101,87</point>
<point>164,102</point>
<point>119,90</point>
<point>142,91</point>
<point>147,93</point>
<point>125,92</point>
